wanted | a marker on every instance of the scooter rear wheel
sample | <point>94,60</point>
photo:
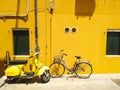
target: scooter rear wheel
<point>11,80</point>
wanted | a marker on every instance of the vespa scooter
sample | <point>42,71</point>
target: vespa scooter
<point>15,69</point>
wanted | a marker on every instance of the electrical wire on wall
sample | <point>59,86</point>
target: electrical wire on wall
<point>9,16</point>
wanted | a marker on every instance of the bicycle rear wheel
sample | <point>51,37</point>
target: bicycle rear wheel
<point>57,69</point>
<point>83,70</point>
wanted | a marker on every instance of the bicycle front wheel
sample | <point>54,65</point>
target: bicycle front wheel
<point>57,69</point>
<point>83,70</point>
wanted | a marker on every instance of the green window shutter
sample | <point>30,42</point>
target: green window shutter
<point>113,43</point>
<point>21,42</point>
<point>109,44</point>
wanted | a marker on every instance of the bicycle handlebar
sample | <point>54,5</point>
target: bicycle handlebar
<point>62,52</point>
<point>65,54</point>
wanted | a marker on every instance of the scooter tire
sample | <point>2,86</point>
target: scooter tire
<point>11,80</point>
<point>45,77</point>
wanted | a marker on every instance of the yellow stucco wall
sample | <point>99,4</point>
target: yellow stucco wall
<point>91,18</point>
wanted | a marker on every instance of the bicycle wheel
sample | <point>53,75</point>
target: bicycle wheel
<point>57,69</point>
<point>83,70</point>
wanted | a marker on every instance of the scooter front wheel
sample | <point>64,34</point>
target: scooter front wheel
<point>45,77</point>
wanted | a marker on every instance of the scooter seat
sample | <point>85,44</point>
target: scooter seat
<point>17,62</point>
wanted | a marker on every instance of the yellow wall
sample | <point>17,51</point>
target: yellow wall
<point>91,18</point>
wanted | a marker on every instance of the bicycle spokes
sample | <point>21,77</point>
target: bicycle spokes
<point>83,70</point>
<point>56,70</point>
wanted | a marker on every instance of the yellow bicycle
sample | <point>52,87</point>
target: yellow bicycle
<point>83,69</point>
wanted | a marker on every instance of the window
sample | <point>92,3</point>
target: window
<point>113,42</point>
<point>21,41</point>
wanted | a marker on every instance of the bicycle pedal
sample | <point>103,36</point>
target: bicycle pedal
<point>70,72</point>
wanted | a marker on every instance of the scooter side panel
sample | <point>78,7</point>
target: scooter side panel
<point>42,70</point>
<point>12,71</point>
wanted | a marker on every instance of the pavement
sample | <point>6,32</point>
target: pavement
<point>95,82</point>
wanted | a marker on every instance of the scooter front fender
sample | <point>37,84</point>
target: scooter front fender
<point>42,70</point>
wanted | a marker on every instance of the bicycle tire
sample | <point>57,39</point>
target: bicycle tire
<point>83,70</point>
<point>57,69</point>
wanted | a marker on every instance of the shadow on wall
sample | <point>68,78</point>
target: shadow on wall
<point>84,7</point>
<point>2,67</point>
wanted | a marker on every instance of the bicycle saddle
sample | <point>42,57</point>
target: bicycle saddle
<point>78,57</point>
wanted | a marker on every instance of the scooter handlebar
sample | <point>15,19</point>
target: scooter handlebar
<point>30,56</point>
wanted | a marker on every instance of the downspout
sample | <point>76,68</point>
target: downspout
<point>36,27</point>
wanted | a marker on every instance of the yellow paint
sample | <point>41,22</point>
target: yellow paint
<point>13,70</point>
<point>91,18</point>
<point>20,69</point>
<point>42,70</point>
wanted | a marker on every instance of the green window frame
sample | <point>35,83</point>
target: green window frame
<point>113,42</point>
<point>21,41</point>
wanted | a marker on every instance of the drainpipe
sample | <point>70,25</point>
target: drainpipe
<point>36,27</point>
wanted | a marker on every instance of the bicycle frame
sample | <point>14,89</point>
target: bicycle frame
<point>65,64</point>
<point>76,62</point>
<point>82,69</point>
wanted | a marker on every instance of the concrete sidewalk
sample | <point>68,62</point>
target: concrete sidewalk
<point>95,82</point>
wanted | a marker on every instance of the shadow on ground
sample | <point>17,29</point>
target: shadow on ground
<point>23,81</point>
<point>116,81</point>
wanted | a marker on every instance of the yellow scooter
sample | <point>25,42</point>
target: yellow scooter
<point>15,69</point>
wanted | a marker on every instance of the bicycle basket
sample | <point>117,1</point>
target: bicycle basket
<point>57,58</point>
